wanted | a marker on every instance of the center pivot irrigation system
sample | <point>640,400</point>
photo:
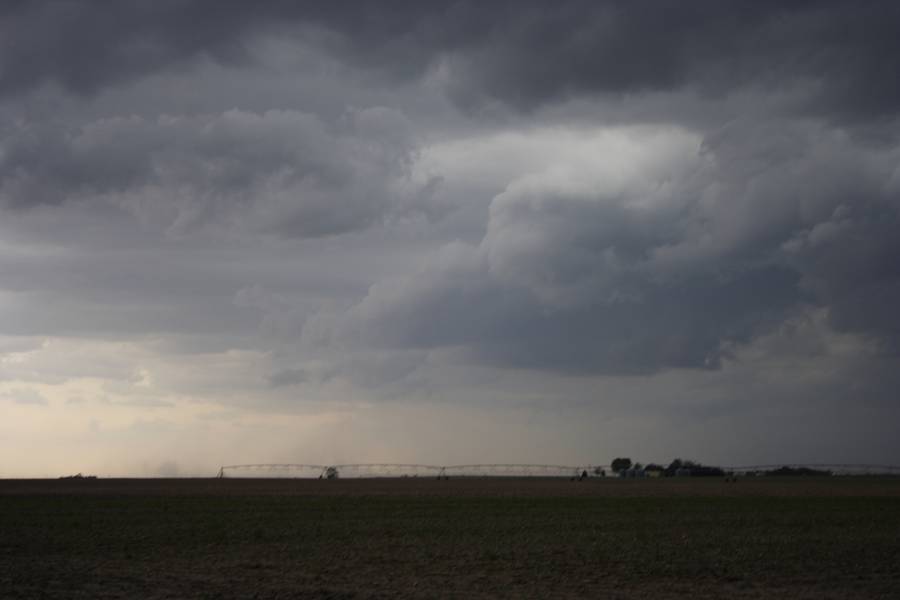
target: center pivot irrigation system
<point>373,470</point>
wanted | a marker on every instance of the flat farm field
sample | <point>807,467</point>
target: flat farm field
<point>464,538</point>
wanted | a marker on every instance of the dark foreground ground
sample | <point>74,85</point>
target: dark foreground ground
<point>766,538</point>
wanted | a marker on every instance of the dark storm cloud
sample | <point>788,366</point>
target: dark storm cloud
<point>669,326</point>
<point>297,175</point>
<point>843,57</point>
<point>850,262</point>
<point>86,45</point>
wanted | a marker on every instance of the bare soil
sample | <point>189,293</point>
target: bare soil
<point>463,538</point>
<point>467,487</point>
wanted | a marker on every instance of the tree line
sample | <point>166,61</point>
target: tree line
<point>680,467</point>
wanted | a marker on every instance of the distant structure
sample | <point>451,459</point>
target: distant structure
<point>654,470</point>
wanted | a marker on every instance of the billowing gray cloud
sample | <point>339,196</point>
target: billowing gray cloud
<point>667,265</point>
<point>290,171</point>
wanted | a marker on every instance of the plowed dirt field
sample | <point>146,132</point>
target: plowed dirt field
<point>466,538</point>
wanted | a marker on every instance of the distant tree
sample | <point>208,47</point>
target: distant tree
<point>599,472</point>
<point>673,467</point>
<point>692,468</point>
<point>705,471</point>
<point>679,463</point>
<point>620,464</point>
<point>78,476</point>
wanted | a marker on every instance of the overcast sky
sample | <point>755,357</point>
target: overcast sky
<point>447,232</point>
